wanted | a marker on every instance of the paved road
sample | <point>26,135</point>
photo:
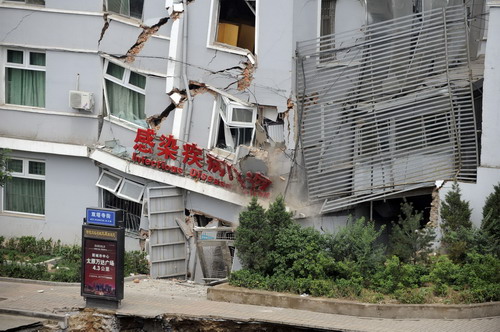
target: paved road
<point>58,300</point>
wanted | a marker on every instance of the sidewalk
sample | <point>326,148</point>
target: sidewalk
<point>56,299</point>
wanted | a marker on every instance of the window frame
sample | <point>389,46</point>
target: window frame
<point>123,15</point>
<point>25,174</point>
<point>212,42</point>
<point>23,66</point>
<point>24,2</point>
<point>217,116</point>
<point>123,82</point>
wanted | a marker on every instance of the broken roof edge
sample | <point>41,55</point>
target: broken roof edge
<point>128,167</point>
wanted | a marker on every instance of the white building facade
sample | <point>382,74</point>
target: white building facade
<point>178,112</point>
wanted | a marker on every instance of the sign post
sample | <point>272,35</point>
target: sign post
<point>103,246</point>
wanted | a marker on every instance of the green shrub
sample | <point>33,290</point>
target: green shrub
<point>66,275</point>
<point>444,273</point>
<point>348,288</point>
<point>413,295</point>
<point>249,279</point>
<point>300,253</point>
<point>136,263</point>
<point>491,219</point>
<point>408,240</point>
<point>358,242</point>
<point>253,238</point>
<point>24,271</point>
<point>456,225</point>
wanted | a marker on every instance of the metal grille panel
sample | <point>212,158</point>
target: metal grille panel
<point>386,108</point>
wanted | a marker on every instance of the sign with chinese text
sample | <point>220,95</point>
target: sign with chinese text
<point>103,261</point>
<point>100,268</point>
<point>164,153</point>
<point>101,217</point>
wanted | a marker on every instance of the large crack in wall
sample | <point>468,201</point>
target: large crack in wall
<point>143,38</point>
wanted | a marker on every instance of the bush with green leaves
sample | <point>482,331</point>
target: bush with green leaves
<point>358,242</point>
<point>456,225</point>
<point>253,238</point>
<point>300,253</point>
<point>396,275</point>
<point>409,240</point>
<point>491,219</point>
<point>136,263</point>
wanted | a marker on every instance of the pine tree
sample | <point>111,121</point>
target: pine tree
<point>252,238</point>
<point>455,213</point>
<point>409,241</point>
<point>458,237</point>
<point>491,219</point>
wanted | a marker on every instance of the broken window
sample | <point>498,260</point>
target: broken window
<point>130,8</point>
<point>25,191</point>
<point>120,186</point>
<point>121,193</point>
<point>235,23</point>
<point>131,211</point>
<point>235,124</point>
<point>31,2</point>
<point>125,94</point>
<point>25,78</point>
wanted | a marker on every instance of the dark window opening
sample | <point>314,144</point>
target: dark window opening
<point>131,211</point>
<point>236,25</point>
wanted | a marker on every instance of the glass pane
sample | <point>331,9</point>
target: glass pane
<point>35,2</point>
<point>125,103</point>
<point>115,71</point>
<point>15,165</point>
<point>25,195</point>
<point>131,190</point>
<point>37,168</point>
<point>37,59</point>
<point>137,80</point>
<point>136,8</point>
<point>118,6</point>
<point>109,181</point>
<point>242,136</point>
<point>25,87</point>
<point>242,115</point>
<point>14,56</point>
<point>223,109</point>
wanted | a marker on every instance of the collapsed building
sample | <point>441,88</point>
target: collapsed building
<point>179,112</point>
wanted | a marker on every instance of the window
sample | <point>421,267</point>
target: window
<point>130,8</point>
<point>125,94</point>
<point>31,2</point>
<point>235,124</point>
<point>121,187</point>
<point>235,23</point>
<point>25,191</point>
<point>327,28</point>
<point>25,78</point>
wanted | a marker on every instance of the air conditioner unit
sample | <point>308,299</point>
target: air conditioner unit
<point>81,100</point>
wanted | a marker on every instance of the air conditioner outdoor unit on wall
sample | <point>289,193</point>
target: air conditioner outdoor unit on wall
<point>81,100</point>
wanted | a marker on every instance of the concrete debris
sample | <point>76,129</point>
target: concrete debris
<point>247,78</point>
<point>178,98</point>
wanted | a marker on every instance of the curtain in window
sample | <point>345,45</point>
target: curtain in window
<point>125,103</point>
<point>25,87</point>
<point>25,195</point>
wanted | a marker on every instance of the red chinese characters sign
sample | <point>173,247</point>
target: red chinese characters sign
<point>193,161</point>
<point>99,268</point>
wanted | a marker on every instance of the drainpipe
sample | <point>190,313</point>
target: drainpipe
<point>189,110</point>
